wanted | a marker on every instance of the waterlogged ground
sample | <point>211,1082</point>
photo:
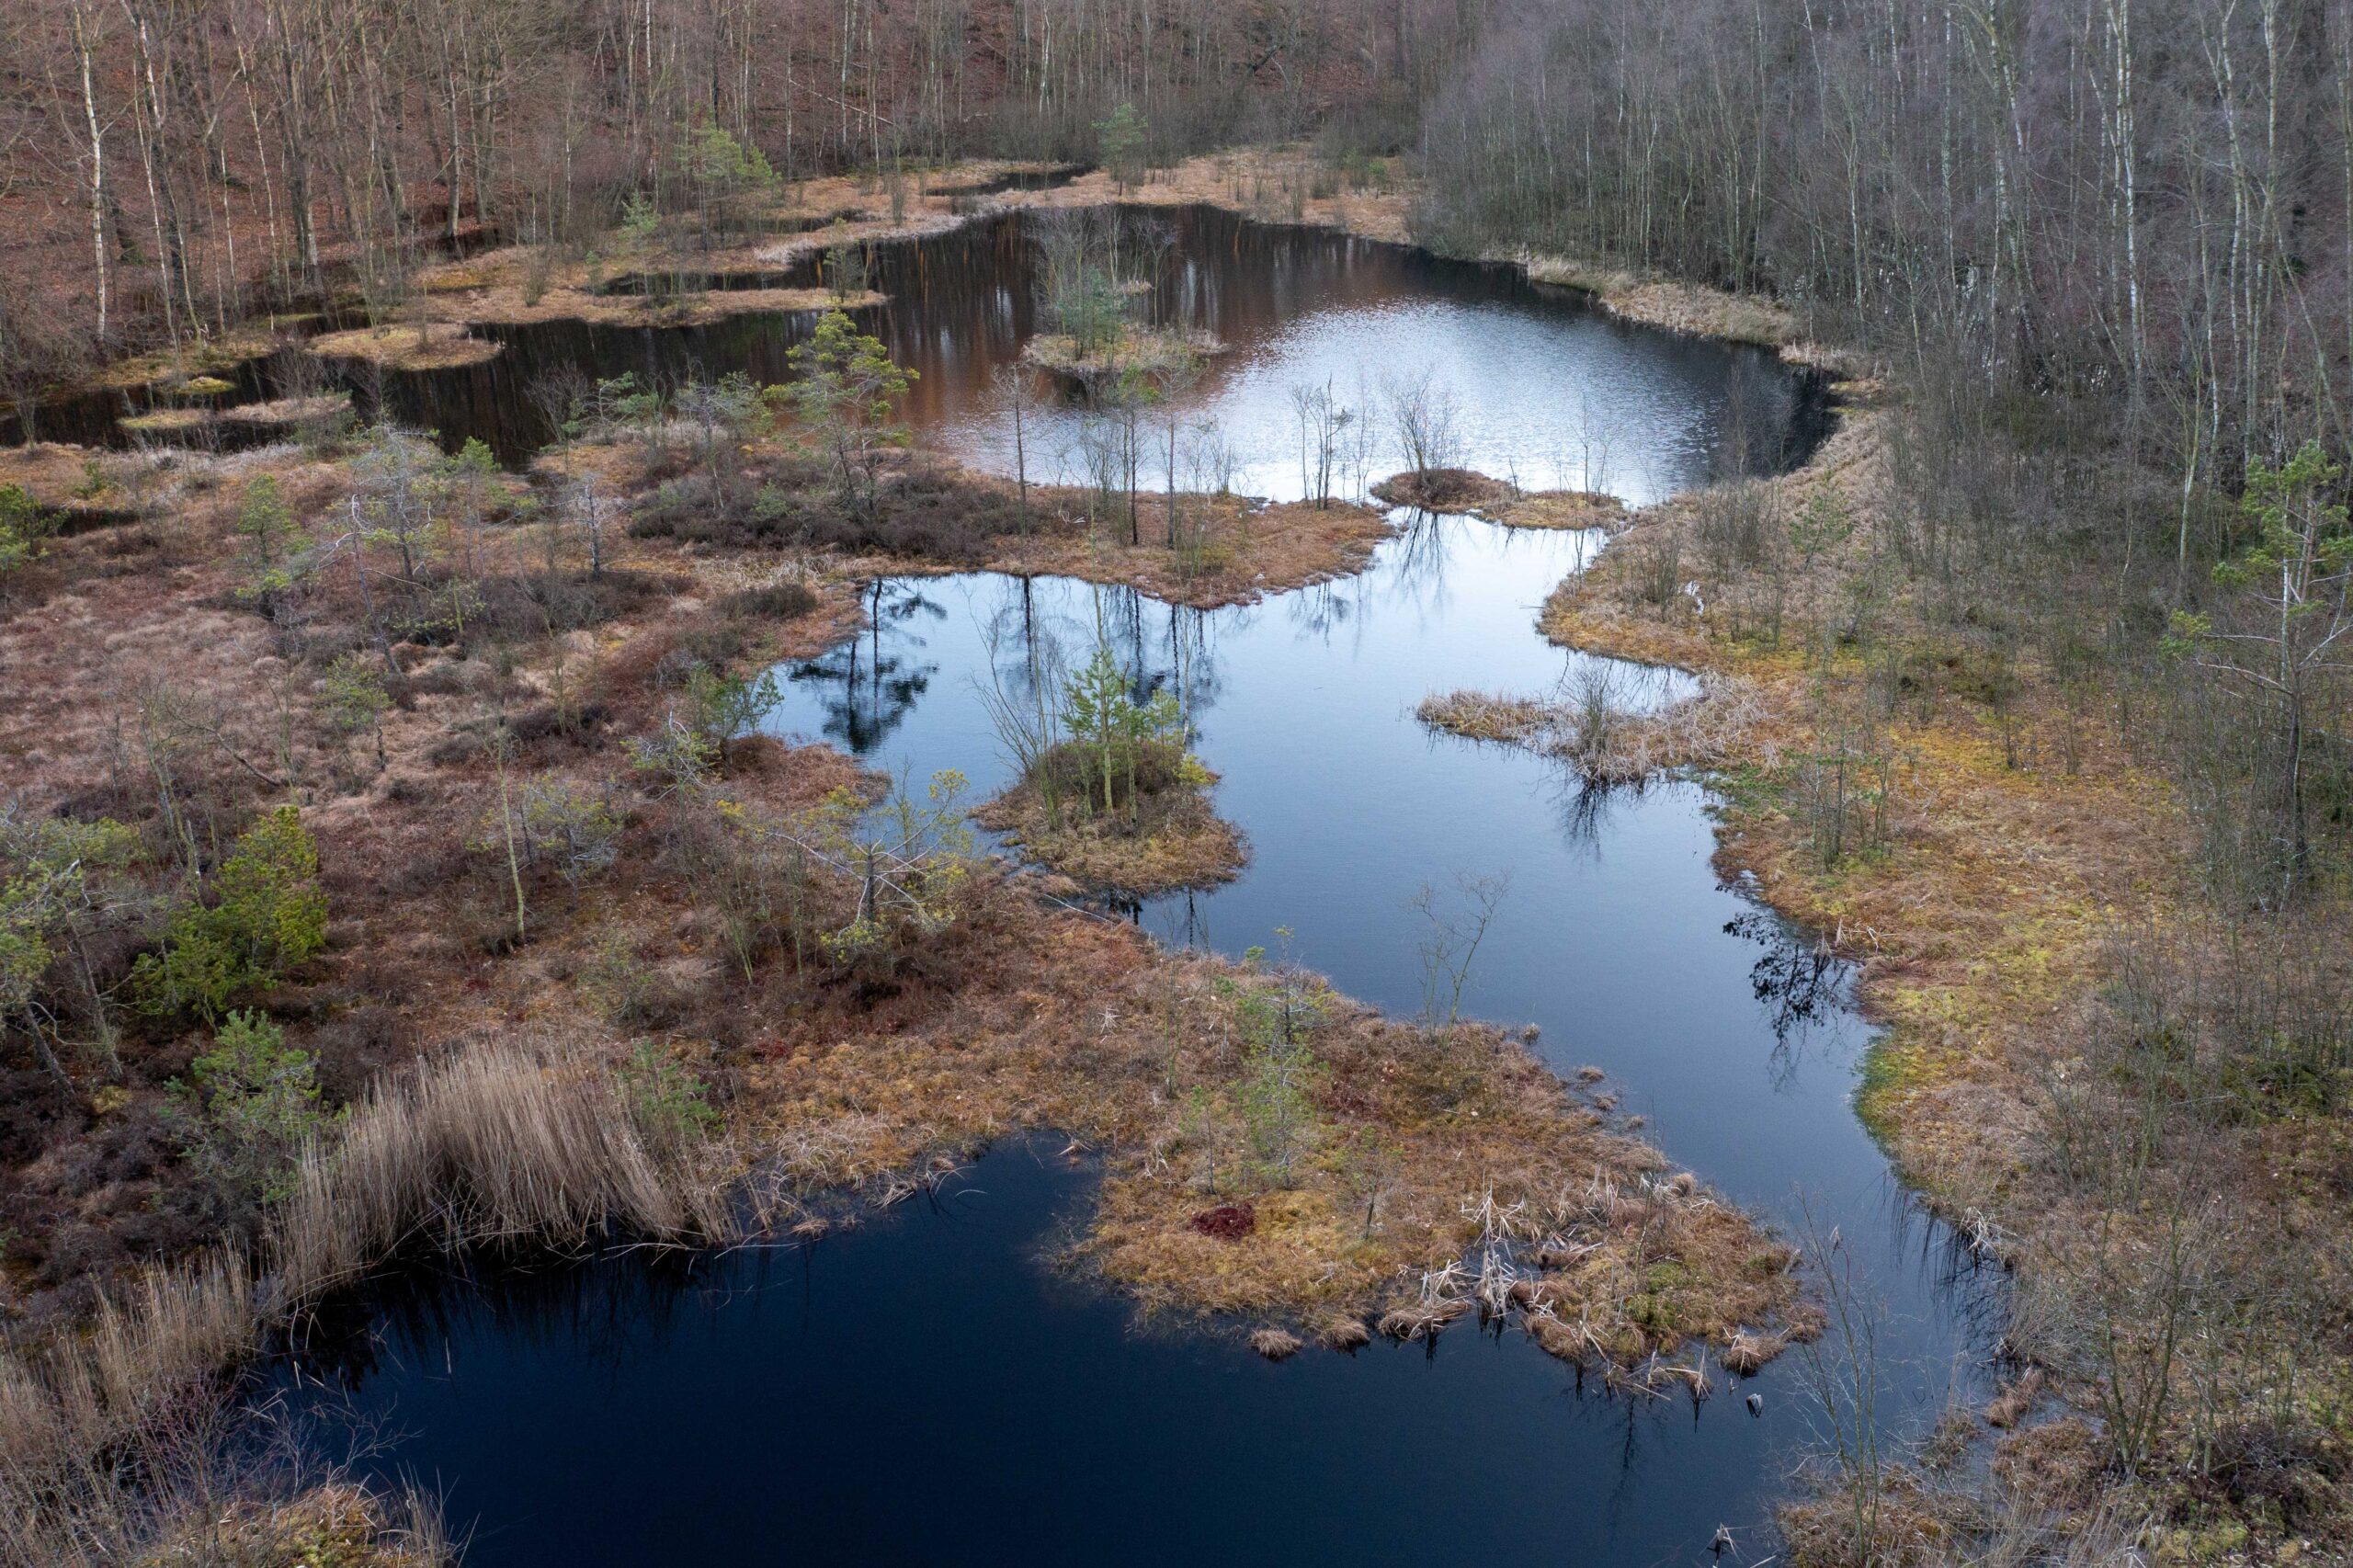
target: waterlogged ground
<point>923,1388</point>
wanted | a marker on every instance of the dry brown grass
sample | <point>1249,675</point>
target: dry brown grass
<point>406,347</point>
<point>1138,1053</point>
<point>199,357</point>
<point>1561,510</point>
<point>1242,550</point>
<point>121,1446</point>
<point>509,306</point>
<point>151,1348</point>
<point>1141,351</point>
<point>504,1141</point>
<point>1274,185</point>
<point>1611,743</point>
<point>1985,922</point>
<point>1443,490</point>
<point>316,409</point>
<point>1231,549</point>
<point>1669,302</point>
<point>50,472</point>
<point>2019,841</point>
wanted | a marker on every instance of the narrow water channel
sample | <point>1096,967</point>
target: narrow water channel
<point>922,1388</point>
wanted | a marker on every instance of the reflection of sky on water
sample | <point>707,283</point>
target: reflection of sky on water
<point>770,1403</point>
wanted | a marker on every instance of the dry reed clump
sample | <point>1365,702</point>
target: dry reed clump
<point>151,1351</point>
<point>1275,1343</point>
<point>1343,1334</point>
<point>1357,1196</point>
<point>122,1445</point>
<point>493,1143</point>
<point>489,1144</point>
<point>210,1484</point>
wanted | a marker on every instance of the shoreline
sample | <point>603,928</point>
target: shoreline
<point>497,286</point>
<point>1147,1218</point>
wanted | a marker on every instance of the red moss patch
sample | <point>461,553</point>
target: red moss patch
<point>1227,1222</point>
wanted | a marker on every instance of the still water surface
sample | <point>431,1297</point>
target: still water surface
<point>1545,389</point>
<point>923,1389</point>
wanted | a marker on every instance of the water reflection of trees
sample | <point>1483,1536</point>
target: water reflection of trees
<point>609,1308</point>
<point>867,685</point>
<point>1040,632</point>
<point>1419,572</point>
<point>1798,980</point>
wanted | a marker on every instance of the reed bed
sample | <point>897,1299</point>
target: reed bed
<point>502,1143</point>
<point>112,1441</point>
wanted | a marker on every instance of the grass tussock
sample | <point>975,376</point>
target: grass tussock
<point>1443,490</point>
<point>1346,1335</point>
<point>1276,1344</point>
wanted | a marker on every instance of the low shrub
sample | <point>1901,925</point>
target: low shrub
<point>267,914</point>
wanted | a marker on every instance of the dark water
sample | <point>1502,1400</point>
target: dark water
<point>1548,391</point>
<point>925,1391</point>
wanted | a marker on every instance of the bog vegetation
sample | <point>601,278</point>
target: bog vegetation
<point>2033,690</point>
